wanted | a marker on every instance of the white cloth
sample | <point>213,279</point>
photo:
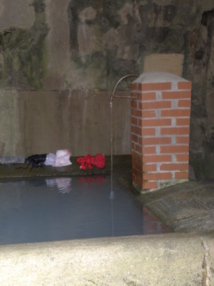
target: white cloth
<point>50,159</point>
<point>62,158</point>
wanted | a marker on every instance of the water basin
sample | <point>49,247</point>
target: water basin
<point>53,209</point>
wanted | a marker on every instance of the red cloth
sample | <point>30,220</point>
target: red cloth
<point>98,161</point>
<point>86,162</point>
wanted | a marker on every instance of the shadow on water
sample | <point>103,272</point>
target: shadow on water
<point>50,209</point>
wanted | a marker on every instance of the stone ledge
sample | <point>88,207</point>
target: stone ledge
<point>166,260</point>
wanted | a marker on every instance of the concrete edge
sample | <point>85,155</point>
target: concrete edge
<point>168,259</point>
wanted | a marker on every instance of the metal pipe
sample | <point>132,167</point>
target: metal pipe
<point>123,96</point>
<point>115,87</point>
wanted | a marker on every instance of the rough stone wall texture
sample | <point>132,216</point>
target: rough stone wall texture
<point>81,47</point>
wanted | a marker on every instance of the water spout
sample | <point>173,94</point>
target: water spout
<point>112,195</point>
<point>115,87</point>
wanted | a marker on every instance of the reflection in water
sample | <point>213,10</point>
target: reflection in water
<point>63,184</point>
<point>37,210</point>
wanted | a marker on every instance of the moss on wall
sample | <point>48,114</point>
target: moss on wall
<point>123,33</point>
<point>23,52</point>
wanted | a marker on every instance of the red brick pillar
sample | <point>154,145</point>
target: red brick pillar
<point>160,124</point>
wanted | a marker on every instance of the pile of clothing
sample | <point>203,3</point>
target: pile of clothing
<point>62,158</point>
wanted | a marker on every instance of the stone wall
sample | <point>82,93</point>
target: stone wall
<point>80,47</point>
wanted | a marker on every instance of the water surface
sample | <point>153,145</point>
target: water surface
<point>50,209</point>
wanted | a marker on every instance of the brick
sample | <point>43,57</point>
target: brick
<point>184,85</point>
<point>136,156</point>
<point>134,148</point>
<point>148,114</point>
<point>133,145</point>
<point>137,165</point>
<point>175,113</point>
<point>181,175</point>
<point>157,176</point>
<point>182,140</point>
<point>140,141</point>
<point>149,185</point>
<point>176,94</point>
<point>138,181</point>
<point>154,104</point>
<point>134,104</point>
<point>173,167</point>
<point>183,121</point>
<point>138,148</point>
<point>182,158</point>
<point>148,131</point>
<point>134,86</point>
<point>155,122</point>
<point>157,158</point>
<point>137,172</point>
<point>146,149</point>
<point>174,149</point>
<point>137,113</point>
<point>149,167</point>
<point>134,120</point>
<point>156,140</point>
<point>134,176</point>
<point>146,96</point>
<point>149,150</point>
<point>184,103</point>
<point>132,93</point>
<point>133,129</point>
<point>138,131</point>
<point>134,138</point>
<point>175,131</point>
<point>154,86</point>
<point>133,96</point>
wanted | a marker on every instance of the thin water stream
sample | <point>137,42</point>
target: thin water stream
<point>111,142</point>
<point>111,197</point>
<point>111,121</point>
<point>111,126</point>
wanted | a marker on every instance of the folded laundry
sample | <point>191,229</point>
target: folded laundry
<point>87,161</point>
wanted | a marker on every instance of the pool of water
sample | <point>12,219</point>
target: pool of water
<point>51,209</point>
